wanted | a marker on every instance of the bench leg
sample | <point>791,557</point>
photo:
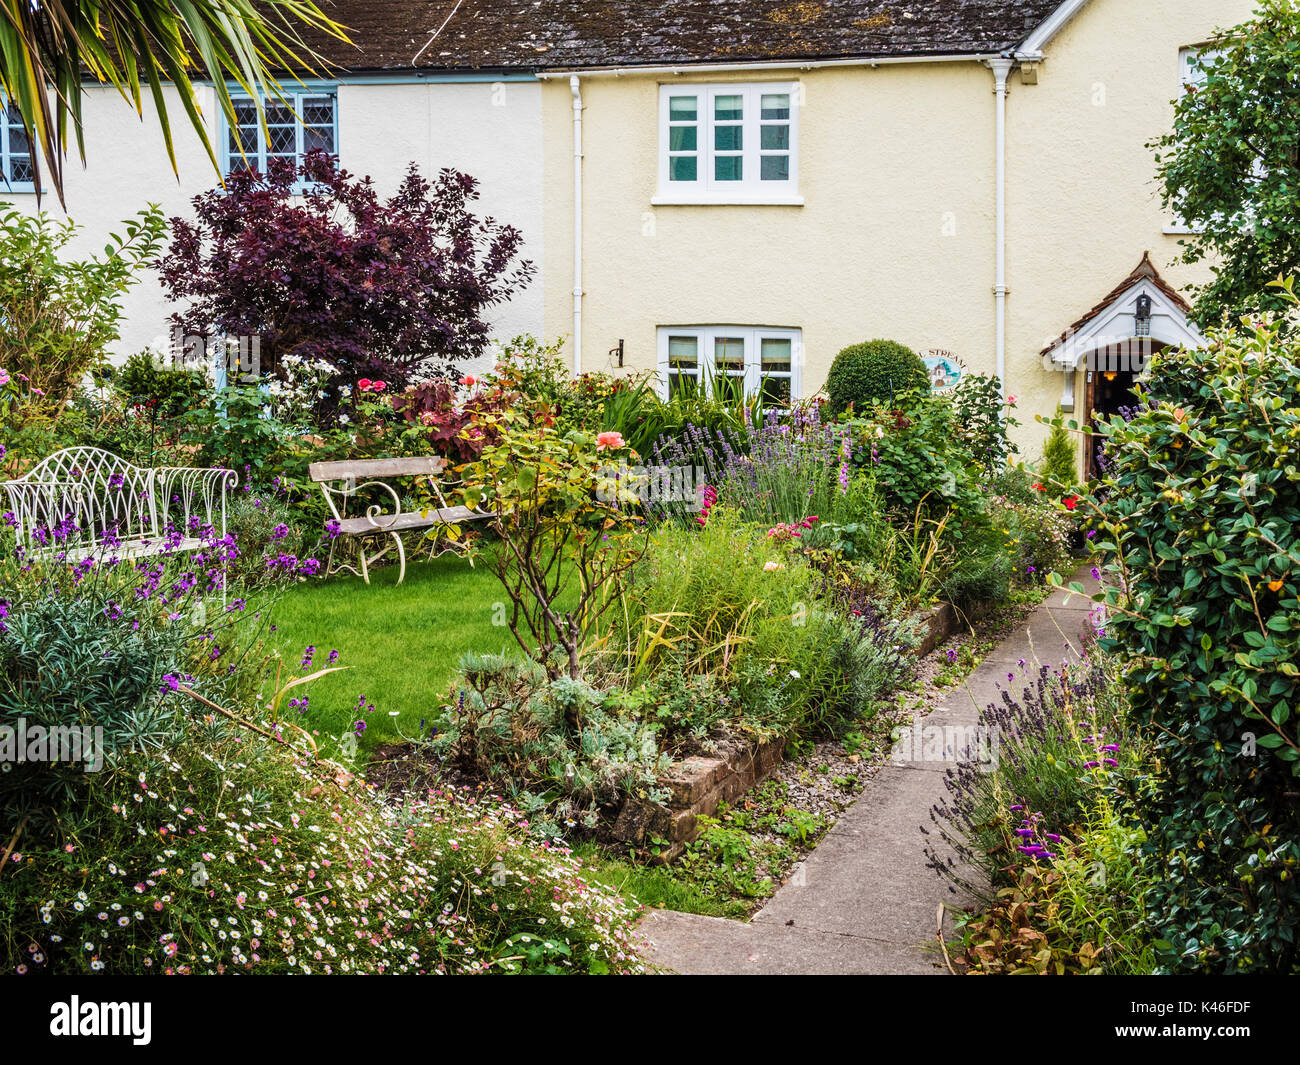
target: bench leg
<point>401,556</point>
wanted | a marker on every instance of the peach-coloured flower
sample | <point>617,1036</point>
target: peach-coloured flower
<point>427,418</point>
<point>772,567</point>
<point>610,440</point>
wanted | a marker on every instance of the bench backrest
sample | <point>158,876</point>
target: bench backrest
<point>377,469</point>
<point>100,491</point>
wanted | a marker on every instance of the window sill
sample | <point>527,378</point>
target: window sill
<point>695,199</point>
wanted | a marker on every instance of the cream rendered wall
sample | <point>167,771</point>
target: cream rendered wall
<point>894,240</point>
<point>490,130</point>
<point>1082,199</point>
<point>897,235</point>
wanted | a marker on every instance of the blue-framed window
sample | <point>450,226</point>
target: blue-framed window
<point>303,121</point>
<point>15,160</point>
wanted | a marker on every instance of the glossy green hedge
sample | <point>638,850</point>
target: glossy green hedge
<point>1202,520</point>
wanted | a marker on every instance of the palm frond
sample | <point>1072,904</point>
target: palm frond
<point>50,49</point>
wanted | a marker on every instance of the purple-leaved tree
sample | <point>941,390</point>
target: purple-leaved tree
<point>393,290</point>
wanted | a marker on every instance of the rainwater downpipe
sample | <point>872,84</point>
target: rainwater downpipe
<point>575,89</point>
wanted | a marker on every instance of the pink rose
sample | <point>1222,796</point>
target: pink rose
<point>364,384</point>
<point>469,380</point>
<point>378,386</point>
<point>609,440</point>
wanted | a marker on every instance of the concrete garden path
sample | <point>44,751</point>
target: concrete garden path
<point>865,901</point>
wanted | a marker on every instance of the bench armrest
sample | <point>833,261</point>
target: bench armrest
<point>188,493</point>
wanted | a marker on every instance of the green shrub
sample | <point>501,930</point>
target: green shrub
<point>171,392</point>
<point>61,316</point>
<point>726,600</point>
<point>104,644</point>
<point>980,574</point>
<point>983,422</point>
<point>1058,469</point>
<point>918,459</point>
<point>875,372</point>
<point>271,538</point>
<point>1201,519</point>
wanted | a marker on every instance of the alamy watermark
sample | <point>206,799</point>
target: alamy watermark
<point>21,742</point>
<point>654,485</point>
<point>975,744</point>
<point>237,356</point>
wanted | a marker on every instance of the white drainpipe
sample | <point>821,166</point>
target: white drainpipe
<point>575,88</point>
<point>1001,68</point>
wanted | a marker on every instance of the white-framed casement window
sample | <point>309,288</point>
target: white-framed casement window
<point>296,125</point>
<point>15,158</point>
<point>765,360</point>
<point>729,143</point>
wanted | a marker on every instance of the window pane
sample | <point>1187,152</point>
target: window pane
<point>776,138</point>
<point>729,138</point>
<point>318,138</point>
<point>683,168</point>
<point>279,113</point>
<point>683,138</point>
<point>729,108</point>
<point>318,111</point>
<point>775,355</point>
<point>776,168</point>
<point>728,168</point>
<point>683,352</point>
<point>678,383</point>
<point>776,106</point>
<point>729,355</point>
<point>20,168</point>
<point>776,389</point>
<point>249,137</point>
<point>682,109</point>
<point>284,141</point>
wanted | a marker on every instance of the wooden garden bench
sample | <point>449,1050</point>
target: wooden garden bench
<point>342,484</point>
<point>92,502</point>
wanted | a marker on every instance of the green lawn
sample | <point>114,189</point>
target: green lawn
<point>400,644</point>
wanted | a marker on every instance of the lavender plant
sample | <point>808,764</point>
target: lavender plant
<point>1062,743</point>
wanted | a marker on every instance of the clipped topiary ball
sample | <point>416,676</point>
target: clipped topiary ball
<point>873,372</point>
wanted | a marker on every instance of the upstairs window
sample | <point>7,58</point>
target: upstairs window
<point>758,359</point>
<point>300,123</point>
<point>729,143</point>
<point>15,161</point>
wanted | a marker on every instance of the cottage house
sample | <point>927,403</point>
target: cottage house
<point>744,187</point>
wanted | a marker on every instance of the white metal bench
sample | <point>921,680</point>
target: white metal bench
<point>342,484</point>
<point>90,500</point>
